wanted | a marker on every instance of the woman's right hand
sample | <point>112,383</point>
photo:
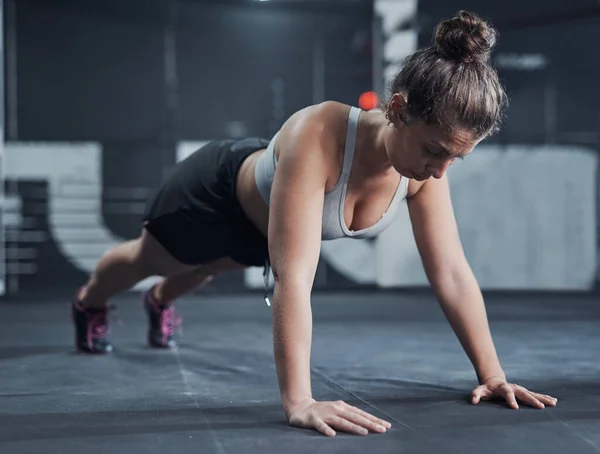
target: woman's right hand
<point>329,417</point>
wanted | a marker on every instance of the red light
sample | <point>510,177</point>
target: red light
<point>368,100</point>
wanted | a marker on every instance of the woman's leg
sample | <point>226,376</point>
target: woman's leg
<point>177,285</point>
<point>118,270</point>
<point>163,321</point>
<point>125,265</point>
<point>168,290</point>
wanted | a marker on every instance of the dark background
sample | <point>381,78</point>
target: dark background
<point>554,104</point>
<point>133,71</point>
<point>138,77</point>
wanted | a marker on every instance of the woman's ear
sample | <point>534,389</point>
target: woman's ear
<point>397,109</point>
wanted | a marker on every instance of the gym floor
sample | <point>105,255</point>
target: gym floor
<point>392,354</point>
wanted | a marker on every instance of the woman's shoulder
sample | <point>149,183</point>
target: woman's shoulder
<point>325,122</point>
<point>315,133</point>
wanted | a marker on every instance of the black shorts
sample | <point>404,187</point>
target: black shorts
<point>195,214</point>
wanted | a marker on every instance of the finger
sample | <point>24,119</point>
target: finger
<point>480,393</point>
<point>369,416</point>
<point>509,395</point>
<point>369,424</point>
<point>322,427</point>
<point>476,395</point>
<point>546,399</point>
<point>529,398</point>
<point>537,395</point>
<point>340,423</point>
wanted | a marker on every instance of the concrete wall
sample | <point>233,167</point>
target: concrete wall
<point>527,218</point>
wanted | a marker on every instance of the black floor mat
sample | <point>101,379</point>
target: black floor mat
<point>391,354</point>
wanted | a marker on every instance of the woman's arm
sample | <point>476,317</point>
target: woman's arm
<point>450,275</point>
<point>458,292</point>
<point>295,223</point>
<point>295,219</point>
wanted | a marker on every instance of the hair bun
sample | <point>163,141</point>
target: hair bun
<point>465,38</point>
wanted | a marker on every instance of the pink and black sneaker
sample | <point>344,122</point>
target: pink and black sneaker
<point>163,322</point>
<point>91,328</point>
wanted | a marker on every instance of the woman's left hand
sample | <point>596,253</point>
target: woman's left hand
<point>496,387</point>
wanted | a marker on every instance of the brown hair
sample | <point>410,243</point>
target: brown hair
<point>451,82</point>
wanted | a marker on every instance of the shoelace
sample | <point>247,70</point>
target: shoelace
<point>97,326</point>
<point>169,321</point>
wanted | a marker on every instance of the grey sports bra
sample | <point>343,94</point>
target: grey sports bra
<point>334,225</point>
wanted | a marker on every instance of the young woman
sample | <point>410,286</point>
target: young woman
<point>332,171</point>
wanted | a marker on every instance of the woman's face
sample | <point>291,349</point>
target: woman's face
<point>420,151</point>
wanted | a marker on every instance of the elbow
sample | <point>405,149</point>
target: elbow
<point>450,276</point>
<point>292,281</point>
